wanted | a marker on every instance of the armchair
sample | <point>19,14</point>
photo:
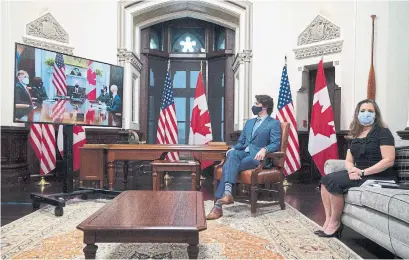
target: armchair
<point>261,176</point>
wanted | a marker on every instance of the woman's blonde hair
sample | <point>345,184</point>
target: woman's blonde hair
<point>356,127</point>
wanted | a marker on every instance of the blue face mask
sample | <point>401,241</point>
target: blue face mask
<point>366,118</point>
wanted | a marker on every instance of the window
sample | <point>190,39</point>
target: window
<point>188,40</point>
<point>219,39</point>
<point>155,39</point>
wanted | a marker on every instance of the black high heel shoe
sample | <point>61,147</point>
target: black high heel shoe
<point>336,234</point>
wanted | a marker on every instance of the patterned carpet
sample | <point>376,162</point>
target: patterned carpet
<point>272,234</point>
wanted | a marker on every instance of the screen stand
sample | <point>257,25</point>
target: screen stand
<point>57,199</point>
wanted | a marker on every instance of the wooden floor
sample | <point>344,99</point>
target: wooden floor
<point>16,203</point>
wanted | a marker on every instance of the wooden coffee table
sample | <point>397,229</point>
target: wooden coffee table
<point>147,217</point>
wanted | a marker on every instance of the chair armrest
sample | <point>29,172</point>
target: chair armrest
<point>277,158</point>
<point>334,165</point>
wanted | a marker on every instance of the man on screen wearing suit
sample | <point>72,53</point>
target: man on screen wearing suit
<point>22,96</point>
<point>260,136</point>
<point>115,105</point>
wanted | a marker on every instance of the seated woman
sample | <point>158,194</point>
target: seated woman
<point>371,155</point>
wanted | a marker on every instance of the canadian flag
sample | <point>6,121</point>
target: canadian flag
<point>200,126</point>
<point>78,141</point>
<point>322,143</point>
<point>92,82</point>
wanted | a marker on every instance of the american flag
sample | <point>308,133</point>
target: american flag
<point>59,79</point>
<point>42,139</point>
<point>57,111</point>
<point>286,114</point>
<point>167,132</point>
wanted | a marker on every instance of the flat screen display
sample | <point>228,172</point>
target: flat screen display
<point>51,87</point>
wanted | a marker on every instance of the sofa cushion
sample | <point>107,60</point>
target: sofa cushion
<point>354,196</point>
<point>402,164</point>
<point>392,201</point>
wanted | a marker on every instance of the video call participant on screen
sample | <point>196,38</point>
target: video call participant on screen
<point>22,96</point>
<point>77,91</point>
<point>38,91</point>
<point>104,96</point>
<point>115,104</point>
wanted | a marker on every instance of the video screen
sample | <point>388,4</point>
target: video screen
<point>52,87</point>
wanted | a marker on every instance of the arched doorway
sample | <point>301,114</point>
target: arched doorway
<point>189,45</point>
<point>134,52</point>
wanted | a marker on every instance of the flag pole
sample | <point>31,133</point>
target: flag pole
<point>201,66</point>
<point>167,178</point>
<point>285,181</point>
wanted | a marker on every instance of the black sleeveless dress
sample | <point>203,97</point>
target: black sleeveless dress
<point>366,152</point>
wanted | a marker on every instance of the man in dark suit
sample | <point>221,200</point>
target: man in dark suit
<point>104,97</point>
<point>37,90</point>
<point>22,96</point>
<point>261,135</point>
<point>116,103</point>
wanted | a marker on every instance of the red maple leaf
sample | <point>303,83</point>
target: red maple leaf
<point>91,77</point>
<point>199,121</point>
<point>320,120</point>
<point>77,129</point>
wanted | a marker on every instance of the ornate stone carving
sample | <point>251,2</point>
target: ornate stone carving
<point>47,27</point>
<point>48,45</point>
<point>320,29</point>
<point>317,50</point>
<point>242,57</point>
<point>129,56</point>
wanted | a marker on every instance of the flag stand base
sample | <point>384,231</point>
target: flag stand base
<point>57,199</point>
<point>286,182</point>
<point>42,182</point>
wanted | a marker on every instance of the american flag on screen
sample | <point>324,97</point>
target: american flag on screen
<point>58,109</point>
<point>286,113</point>
<point>42,139</point>
<point>59,79</point>
<point>167,132</point>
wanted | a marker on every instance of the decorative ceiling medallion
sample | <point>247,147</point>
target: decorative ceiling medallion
<point>47,27</point>
<point>320,29</point>
<point>242,57</point>
<point>318,50</point>
<point>129,56</point>
<point>48,45</point>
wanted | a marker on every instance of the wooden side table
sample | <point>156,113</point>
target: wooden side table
<point>159,166</point>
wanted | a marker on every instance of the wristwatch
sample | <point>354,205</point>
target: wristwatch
<point>362,173</point>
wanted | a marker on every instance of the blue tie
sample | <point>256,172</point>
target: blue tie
<point>256,125</point>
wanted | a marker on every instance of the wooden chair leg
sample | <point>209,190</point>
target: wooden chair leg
<point>281,195</point>
<point>193,181</point>
<point>214,185</point>
<point>154,181</point>
<point>253,198</point>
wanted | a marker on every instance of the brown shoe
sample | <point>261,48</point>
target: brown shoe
<point>225,200</point>
<point>215,213</point>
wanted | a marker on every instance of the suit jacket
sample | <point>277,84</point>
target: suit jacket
<point>21,96</point>
<point>115,105</point>
<point>267,135</point>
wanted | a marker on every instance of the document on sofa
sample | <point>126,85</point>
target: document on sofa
<point>381,184</point>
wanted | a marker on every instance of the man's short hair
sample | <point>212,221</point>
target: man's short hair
<point>267,102</point>
<point>22,72</point>
<point>114,88</point>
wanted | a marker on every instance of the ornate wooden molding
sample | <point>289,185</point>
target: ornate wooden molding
<point>321,37</point>
<point>241,58</point>
<point>46,33</point>
<point>48,45</point>
<point>317,50</point>
<point>47,27</point>
<point>130,57</point>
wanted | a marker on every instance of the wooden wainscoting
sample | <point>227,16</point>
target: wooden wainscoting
<point>18,161</point>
